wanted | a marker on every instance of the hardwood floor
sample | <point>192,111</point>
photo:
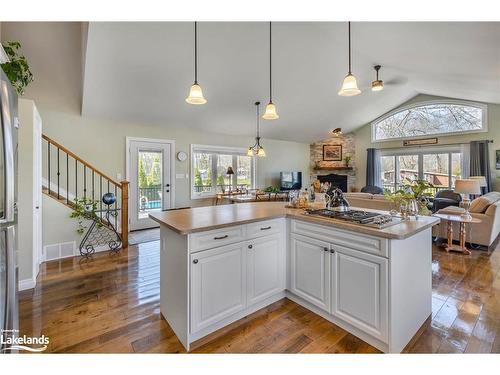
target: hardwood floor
<point>110,304</point>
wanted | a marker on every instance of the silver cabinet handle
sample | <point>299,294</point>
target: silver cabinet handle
<point>250,246</point>
<point>265,228</point>
<point>195,261</point>
<point>221,238</point>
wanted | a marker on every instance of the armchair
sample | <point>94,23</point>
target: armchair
<point>445,198</point>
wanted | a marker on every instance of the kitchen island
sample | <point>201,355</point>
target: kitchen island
<point>219,264</point>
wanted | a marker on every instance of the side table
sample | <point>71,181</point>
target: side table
<point>463,221</point>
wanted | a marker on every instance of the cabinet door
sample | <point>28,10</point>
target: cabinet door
<point>310,270</point>
<point>218,284</point>
<point>265,266</point>
<point>359,290</point>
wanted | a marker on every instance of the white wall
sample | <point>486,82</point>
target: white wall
<point>363,141</point>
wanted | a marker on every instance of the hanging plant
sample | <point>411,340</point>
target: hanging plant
<point>17,70</point>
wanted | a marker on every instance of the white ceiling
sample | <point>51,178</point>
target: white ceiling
<point>141,72</point>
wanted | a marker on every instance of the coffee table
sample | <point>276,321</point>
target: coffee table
<point>458,219</point>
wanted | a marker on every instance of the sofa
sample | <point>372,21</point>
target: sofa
<point>487,209</point>
<point>368,200</point>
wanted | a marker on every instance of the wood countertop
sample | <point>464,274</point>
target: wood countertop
<point>201,219</point>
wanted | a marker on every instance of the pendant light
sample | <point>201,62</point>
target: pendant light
<point>337,132</point>
<point>270,113</point>
<point>350,85</point>
<point>257,149</point>
<point>195,94</point>
<point>378,84</point>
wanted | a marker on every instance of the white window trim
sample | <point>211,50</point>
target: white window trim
<point>482,106</point>
<point>221,149</point>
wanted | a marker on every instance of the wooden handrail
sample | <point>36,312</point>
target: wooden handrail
<point>74,156</point>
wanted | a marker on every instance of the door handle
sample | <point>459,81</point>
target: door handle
<point>195,261</point>
<point>250,246</point>
<point>168,191</point>
<point>167,185</point>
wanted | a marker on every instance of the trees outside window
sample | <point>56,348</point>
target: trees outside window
<point>427,119</point>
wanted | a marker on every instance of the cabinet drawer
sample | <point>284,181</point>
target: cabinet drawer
<point>357,241</point>
<point>216,238</point>
<point>265,228</point>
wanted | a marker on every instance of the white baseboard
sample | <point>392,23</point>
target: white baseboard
<point>27,284</point>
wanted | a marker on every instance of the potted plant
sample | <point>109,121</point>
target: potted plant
<point>413,196</point>
<point>17,69</point>
<point>347,160</point>
<point>84,210</point>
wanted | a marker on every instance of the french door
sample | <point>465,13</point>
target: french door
<point>150,181</point>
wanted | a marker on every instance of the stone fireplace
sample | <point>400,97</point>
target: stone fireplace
<point>322,170</point>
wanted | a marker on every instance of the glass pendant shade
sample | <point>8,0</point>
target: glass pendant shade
<point>377,85</point>
<point>349,86</point>
<point>261,152</point>
<point>250,152</point>
<point>196,95</point>
<point>270,113</point>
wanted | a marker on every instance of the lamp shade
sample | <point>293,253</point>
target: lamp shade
<point>196,95</point>
<point>349,86</point>
<point>270,113</point>
<point>481,179</point>
<point>467,187</point>
<point>230,170</point>
<point>377,85</point>
<point>261,153</point>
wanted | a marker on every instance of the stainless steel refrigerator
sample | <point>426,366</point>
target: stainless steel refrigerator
<point>9,323</point>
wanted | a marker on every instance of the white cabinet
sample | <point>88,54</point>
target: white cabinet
<point>359,290</point>
<point>265,268</point>
<point>218,284</point>
<point>310,270</point>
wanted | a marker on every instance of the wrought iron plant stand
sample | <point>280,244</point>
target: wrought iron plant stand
<point>102,231</point>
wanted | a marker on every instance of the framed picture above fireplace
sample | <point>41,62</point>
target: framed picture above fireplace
<point>332,152</point>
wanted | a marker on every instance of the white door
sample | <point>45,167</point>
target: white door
<point>310,270</point>
<point>150,181</point>
<point>359,290</point>
<point>218,284</point>
<point>265,261</point>
<point>37,191</point>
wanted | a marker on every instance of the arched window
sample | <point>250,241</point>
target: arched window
<point>420,120</point>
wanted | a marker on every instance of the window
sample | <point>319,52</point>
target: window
<point>440,167</point>
<point>209,165</point>
<point>429,119</point>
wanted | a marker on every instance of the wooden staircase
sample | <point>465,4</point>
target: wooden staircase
<point>68,177</point>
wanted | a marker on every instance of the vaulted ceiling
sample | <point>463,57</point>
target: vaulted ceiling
<point>141,72</point>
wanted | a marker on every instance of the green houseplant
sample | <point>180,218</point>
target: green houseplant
<point>84,210</point>
<point>17,70</point>
<point>417,191</point>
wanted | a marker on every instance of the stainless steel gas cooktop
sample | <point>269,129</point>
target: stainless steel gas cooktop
<point>372,219</point>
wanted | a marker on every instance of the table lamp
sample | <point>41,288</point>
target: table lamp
<point>229,173</point>
<point>466,187</point>
<point>482,181</point>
